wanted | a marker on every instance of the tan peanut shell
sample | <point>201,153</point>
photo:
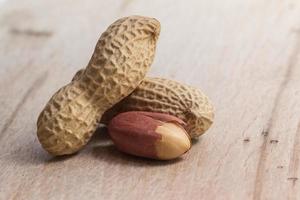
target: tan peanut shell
<point>170,97</point>
<point>119,63</point>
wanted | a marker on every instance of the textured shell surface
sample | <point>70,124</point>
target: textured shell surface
<point>119,63</point>
<point>170,97</point>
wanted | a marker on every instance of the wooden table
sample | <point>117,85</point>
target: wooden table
<point>244,54</point>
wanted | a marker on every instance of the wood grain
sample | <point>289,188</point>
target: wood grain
<point>245,55</point>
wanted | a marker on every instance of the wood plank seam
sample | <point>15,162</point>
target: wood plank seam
<point>292,63</point>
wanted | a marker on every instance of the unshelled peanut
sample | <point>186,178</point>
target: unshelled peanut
<point>170,97</point>
<point>119,63</point>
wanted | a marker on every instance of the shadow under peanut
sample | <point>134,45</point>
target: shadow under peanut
<point>104,150</point>
<point>110,154</point>
<point>100,147</point>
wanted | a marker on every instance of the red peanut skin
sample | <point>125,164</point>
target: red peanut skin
<point>134,132</point>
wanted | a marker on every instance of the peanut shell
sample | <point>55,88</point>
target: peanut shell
<point>170,97</point>
<point>119,63</point>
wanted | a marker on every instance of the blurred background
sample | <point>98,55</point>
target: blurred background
<point>244,54</point>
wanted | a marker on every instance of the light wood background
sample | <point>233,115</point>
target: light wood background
<point>244,54</point>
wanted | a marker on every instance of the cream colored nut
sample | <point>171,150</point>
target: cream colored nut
<point>151,135</point>
<point>119,63</point>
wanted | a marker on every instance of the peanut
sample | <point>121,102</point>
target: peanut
<point>151,135</point>
<point>170,97</point>
<point>119,63</point>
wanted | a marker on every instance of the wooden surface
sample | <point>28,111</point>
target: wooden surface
<point>244,54</point>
